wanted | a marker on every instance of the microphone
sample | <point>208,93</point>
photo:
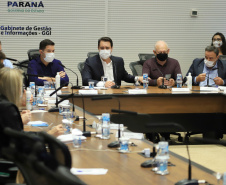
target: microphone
<point>35,75</point>
<point>57,88</point>
<point>20,65</point>
<point>85,133</point>
<point>124,111</point>
<point>188,181</point>
<point>161,86</point>
<point>55,109</point>
<point>209,78</point>
<point>15,60</point>
<point>73,87</point>
<point>113,144</point>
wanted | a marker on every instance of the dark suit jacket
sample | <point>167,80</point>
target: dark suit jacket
<point>93,70</point>
<point>197,68</point>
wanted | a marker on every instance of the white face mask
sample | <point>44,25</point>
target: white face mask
<point>49,57</point>
<point>217,43</point>
<point>208,63</point>
<point>104,54</point>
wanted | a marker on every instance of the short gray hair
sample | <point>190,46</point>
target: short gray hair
<point>212,48</point>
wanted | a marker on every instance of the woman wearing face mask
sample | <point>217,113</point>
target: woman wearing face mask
<point>10,99</point>
<point>218,40</point>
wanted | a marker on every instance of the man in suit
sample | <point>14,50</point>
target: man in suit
<point>209,70</point>
<point>106,65</point>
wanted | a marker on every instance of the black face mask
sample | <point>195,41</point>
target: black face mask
<point>162,56</point>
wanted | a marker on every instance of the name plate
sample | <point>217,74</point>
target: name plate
<point>137,91</point>
<point>180,90</point>
<point>132,135</point>
<point>88,92</point>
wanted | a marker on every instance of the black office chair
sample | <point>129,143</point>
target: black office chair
<point>33,53</point>
<point>222,57</point>
<point>81,66</point>
<point>145,56</point>
<point>57,149</point>
<point>91,54</point>
<point>38,166</point>
<point>136,68</point>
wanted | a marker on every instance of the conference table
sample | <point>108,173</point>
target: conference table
<point>122,168</point>
<point>196,111</point>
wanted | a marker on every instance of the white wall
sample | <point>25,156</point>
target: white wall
<point>133,25</point>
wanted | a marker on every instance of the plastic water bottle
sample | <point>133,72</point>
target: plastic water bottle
<point>145,81</point>
<point>57,78</point>
<point>179,80</point>
<point>162,158</point>
<point>189,81</point>
<point>28,98</point>
<point>105,126</point>
<point>32,88</point>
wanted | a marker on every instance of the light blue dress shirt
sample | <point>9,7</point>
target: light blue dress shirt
<point>7,63</point>
<point>212,74</point>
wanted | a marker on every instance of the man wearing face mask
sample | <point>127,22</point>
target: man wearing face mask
<point>209,70</point>
<point>46,65</point>
<point>106,65</point>
<point>158,67</point>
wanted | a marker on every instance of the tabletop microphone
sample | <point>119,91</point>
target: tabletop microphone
<point>15,60</point>
<point>73,87</point>
<point>113,144</point>
<point>35,75</point>
<point>161,86</point>
<point>58,89</point>
<point>20,65</point>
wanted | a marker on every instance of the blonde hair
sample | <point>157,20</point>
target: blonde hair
<point>11,82</point>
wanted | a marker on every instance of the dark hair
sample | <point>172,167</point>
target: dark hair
<point>2,55</point>
<point>212,48</point>
<point>105,39</point>
<point>223,46</point>
<point>45,43</point>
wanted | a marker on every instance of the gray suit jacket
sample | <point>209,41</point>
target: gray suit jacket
<point>197,68</point>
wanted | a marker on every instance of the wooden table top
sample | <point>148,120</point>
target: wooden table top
<point>123,169</point>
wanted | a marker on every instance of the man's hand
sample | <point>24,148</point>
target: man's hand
<point>159,81</point>
<point>108,84</point>
<point>169,82</point>
<point>25,116</point>
<point>201,77</point>
<point>57,130</point>
<point>49,79</point>
<point>218,81</point>
<point>62,74</point>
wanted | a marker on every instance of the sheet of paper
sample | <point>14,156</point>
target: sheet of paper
<point>38,111</point>
<point>89,171</point>
<point>37,123</point>
<point>180,90</point>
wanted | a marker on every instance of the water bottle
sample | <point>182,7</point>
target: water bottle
<point>28,98</point>
<point>105,126</point>
<point>189,81</point>
<point>162,158</point>
<point>145,81</point>
<point>32,88</point>
<point>57,78</point>
<point>179,80</point>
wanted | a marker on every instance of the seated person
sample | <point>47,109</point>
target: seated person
<point>5,61</point>
<point>218,40</point>
<point>46,65</point>
<point>209,70</point>
<point>106,65</point>
<point>10,99</point>
<point>158,67</point>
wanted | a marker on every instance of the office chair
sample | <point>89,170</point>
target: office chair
<point>32,54</point>
<point>81,66</point>
<point>145,56</point>
<point>91,54</point>
<point>38,166</point>
<point>222,57</point>
<point>136,68</point>
<point>57,149</point>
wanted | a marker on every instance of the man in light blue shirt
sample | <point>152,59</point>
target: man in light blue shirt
<point>3,59</point>
<point>208,71</point>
